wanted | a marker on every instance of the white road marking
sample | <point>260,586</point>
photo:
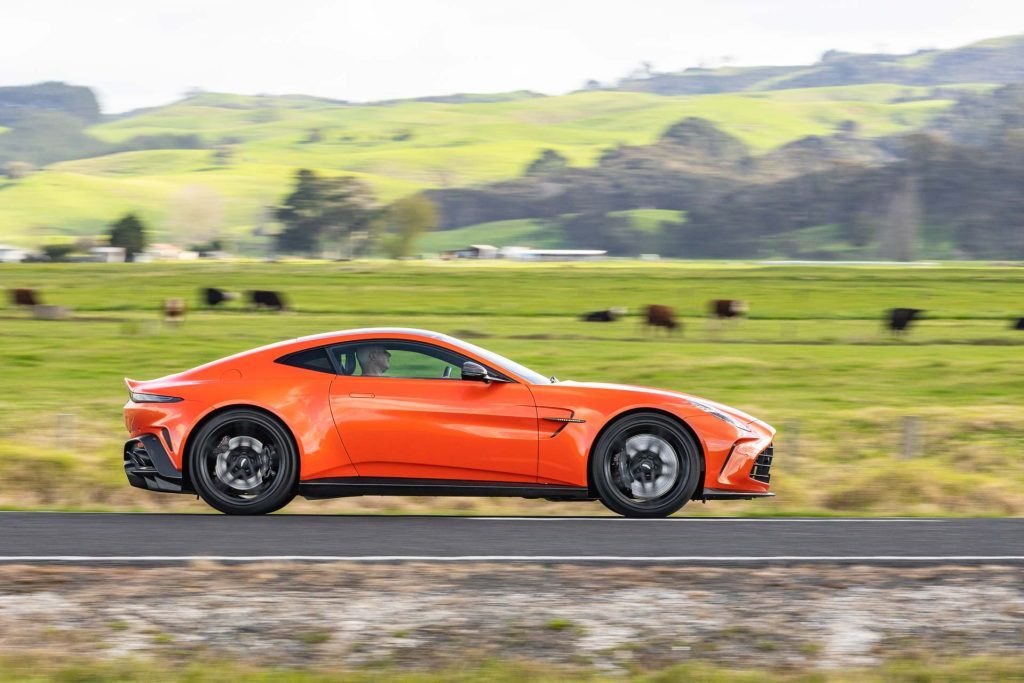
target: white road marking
<point>870,520</point>
<point>511,558</point>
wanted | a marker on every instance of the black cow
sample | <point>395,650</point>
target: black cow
<point>899,319</point>
<point>265,298</point>
<point>212,296</point>
<point>1019,325</point>
<point>608,315</point>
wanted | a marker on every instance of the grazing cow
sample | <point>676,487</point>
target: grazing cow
<point>25,297</point>
<point>1019,325</point>
<point>661,316</point>
<point>174,310</point>
<point>265,298</point>
<point>728,308</point>
<point>609,315</point>
<point>899,319</point>
<point>211,296</point>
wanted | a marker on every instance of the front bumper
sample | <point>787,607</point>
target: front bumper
<point>147,466</point>
<point>747,468</point>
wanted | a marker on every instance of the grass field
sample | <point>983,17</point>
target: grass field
<point>812,359</point>
<point>402,147</point>
<point>40,668</point>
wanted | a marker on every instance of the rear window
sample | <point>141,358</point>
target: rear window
<point>310,359</point>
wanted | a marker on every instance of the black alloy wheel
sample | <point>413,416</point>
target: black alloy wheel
<point>645,465</point>
<point>243,462</point>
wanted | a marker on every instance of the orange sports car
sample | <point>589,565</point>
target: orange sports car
<point>394,411</point>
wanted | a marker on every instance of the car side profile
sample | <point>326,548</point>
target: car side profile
<point>396,411</point>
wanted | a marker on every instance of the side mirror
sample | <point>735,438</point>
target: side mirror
<point>474,372</point>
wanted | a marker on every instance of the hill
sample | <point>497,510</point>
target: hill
<point>997,60</point>
<point>246,149</point>
<point>69,171</point>
<point>950,190</point>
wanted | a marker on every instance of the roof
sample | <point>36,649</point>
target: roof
<point>376,330</point>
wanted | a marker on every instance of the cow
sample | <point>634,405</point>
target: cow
<point>174,311</point>
<point>899,319</point>
<point>265,298</point>
<point>25,297</point>
<point>661,316</point>
<point>608,315</point>
<point>1019,325</point>
<point>728,308</point>
<point>211,296</point>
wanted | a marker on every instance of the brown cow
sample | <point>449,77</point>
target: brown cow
<point>661,316</point>
<point>174,311</point>
<point>25,297</point>
<point>728,308</point>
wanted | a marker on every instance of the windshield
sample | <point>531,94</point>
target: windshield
<point>504,363</point>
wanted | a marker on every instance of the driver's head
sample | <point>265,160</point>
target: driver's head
<point>373,360</point>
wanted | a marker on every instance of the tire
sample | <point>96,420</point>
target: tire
<point>645,465</point>
<point>243,462</point>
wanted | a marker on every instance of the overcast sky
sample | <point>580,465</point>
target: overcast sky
<point>138,53</point>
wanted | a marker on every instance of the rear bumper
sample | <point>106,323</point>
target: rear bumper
<point>147,466</point>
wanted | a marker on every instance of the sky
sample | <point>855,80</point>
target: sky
<point>138,53</point>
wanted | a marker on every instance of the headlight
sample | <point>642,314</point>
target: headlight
<point>720,415</point>
<point>138,397</point>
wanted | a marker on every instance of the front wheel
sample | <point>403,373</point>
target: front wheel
<point>243,462</point>
<point>645,465</point>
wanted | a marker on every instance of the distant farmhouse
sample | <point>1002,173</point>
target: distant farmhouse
<point>487,251</point>
<point>9,254</point>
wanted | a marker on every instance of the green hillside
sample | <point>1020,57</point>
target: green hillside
<point>254,144</point>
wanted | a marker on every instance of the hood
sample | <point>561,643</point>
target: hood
<point>739,415</point>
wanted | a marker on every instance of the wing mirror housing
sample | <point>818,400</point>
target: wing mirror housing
<point>474,372</point>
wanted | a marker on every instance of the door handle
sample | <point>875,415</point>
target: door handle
<point>360,395</point>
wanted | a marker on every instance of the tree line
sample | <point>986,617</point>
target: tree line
<point>334,216</point>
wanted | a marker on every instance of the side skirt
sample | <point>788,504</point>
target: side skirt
<point>341,487</point>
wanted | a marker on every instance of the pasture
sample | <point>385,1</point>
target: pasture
<point>812,359</point>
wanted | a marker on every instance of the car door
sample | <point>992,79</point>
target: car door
<point>419,419</point>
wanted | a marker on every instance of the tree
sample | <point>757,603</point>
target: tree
<point>58,252</point>
<point>129,232</point>
<point>407,219</point>
<point>324,210</point>
<point>549,161</point>
<point>595,230</point>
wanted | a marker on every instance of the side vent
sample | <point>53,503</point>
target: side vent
<point>761,470</point>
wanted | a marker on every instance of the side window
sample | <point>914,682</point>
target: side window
<point>310,359</point>
<point>399,359</point>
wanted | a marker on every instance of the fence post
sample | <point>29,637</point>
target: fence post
<point>66,428</point>
<point>911,436</point>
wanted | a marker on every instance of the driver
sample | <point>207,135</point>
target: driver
<point>374,360</point>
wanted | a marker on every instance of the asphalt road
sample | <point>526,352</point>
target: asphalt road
<point>155,538</point>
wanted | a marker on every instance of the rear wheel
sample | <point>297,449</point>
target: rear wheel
<point>243,462</point>
<point>645,465</point>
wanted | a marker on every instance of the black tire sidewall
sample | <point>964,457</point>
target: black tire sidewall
<point>284,486</point>
<point>687,447</point>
